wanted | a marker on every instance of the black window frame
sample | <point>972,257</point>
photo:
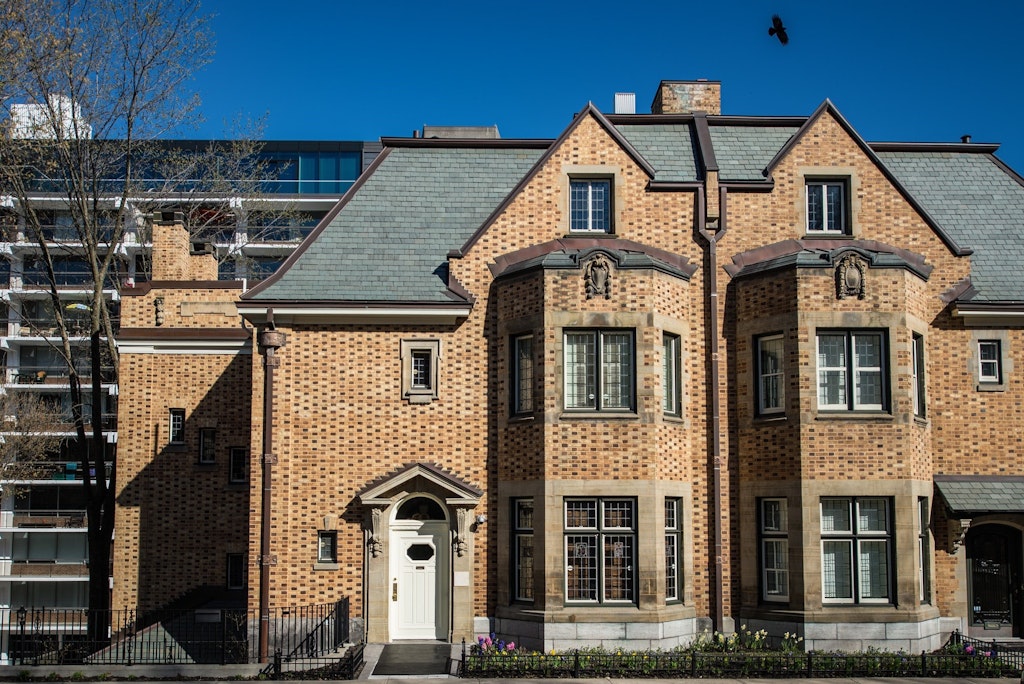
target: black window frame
<point>207,446</point>
<point>825,182</point>
<point>759,370</point>
<point>671,374</point>
<point>600,533</point>
<point>772,534</point>
<point>596,378</point>
<point>238,465</point>
<point>523,585</point>
<point>522,384</point>
<point>856,536</point>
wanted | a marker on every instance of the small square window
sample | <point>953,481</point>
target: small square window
<point>327,547</point>
<point>826,206</point>
<point>590,203</point>
<point>990,361</point>
<point>177,426</point>
<point>207,445</point>
<point>237,464</point>
<point>420,370</point>
<point>236,571</point>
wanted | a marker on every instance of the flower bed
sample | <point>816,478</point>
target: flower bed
<point>743,654</point>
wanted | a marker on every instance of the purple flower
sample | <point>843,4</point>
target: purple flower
<point>969,650</point>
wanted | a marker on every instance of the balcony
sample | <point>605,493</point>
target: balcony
<point>50,519</point>
<point>54,375</point>
<point>48,569</point>
<point>47,327</point>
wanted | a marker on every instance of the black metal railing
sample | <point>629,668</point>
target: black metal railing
<point>1010,652</point>
<point>317,636</point>
<point>761,664</point>
<point>313,635</point>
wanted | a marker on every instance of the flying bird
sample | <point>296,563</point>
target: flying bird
<point>778,30</point>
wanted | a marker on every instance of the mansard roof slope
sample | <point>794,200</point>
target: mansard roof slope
<point>978,200</point>
<point>389,238</point>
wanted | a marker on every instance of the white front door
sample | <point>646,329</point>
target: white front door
<point>419,581</point>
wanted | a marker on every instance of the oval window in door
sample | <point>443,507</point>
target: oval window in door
<point>420,552</point>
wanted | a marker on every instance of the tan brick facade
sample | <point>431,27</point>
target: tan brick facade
<point>345,430</point>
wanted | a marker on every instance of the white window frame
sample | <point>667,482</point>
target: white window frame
<point>673,550</point>
<point>852,370</point>
<point>918,375</point>
<point>857,537</point>
<point>586,218</point>
<point>771,378</point>
<point>773,528</point>
<point>599,542</point>
<point>828,224</point>
<point>176,426</point>
<point>994,373</point>
<point>671,396</point>
<point>523,366</point>
<point>924,550</point>
<point>594,374</point>
<point>419,387</point>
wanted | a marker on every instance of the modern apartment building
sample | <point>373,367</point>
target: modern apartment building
<point>43,541</point>
<point>661,373</point>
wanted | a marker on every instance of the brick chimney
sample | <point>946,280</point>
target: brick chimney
<point>174,257</point>
<point>687,97</point>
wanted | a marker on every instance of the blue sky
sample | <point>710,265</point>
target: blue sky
<point>340,70</point>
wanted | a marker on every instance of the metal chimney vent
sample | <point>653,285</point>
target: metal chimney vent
<point>625,103</point>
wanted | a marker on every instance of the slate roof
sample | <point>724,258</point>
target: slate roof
<point>670,149</point>
<point>743,152</point>
<point>390,240</point>
<point>979,205</point>
<point>981,494</point>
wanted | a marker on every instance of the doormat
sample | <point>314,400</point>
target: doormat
<point>413,659</point>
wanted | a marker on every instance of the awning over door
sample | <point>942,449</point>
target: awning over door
<point>967,495</point>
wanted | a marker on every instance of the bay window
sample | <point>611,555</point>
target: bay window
<point>599,370</point>
<point>856,549</point>
<point>600,550</point>
<point>851,370</point>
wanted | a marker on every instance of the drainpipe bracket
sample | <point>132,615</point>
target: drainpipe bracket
<point>270,459</point>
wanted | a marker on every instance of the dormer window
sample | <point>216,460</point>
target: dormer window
<point>590,205</point>
<point>826,207</point>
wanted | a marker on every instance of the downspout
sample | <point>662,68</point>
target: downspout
<point>269,341</point>
<point>713,233</point>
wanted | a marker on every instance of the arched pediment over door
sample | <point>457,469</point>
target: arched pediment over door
<point>410,510</point>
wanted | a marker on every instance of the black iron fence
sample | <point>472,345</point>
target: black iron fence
<point>1010,652</point>
<point>586,663</point>
<point>46,636</point>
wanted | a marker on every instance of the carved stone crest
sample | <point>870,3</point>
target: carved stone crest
<point>850,277</point>
<point>597,277</point>
<point>375,542</point>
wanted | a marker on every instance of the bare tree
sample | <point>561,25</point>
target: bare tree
<point>29,436</point>
<point>89,87</point>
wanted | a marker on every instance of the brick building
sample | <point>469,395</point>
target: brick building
<point>665,372</point>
